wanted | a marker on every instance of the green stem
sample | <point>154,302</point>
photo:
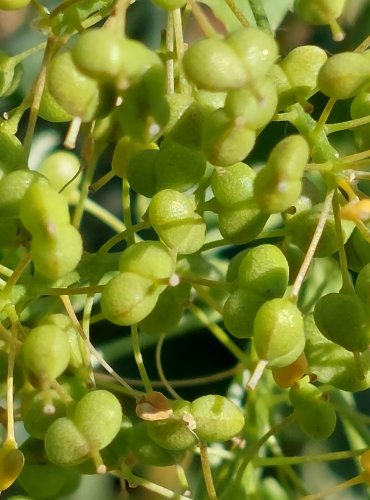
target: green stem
<point>206,468</point>
<point>126,205</point>
<point>346,278</point>
<point>338,127</point>
<point>260,16</point>
<point>117,238</point>
<point>238,13</point>
<point>139,359</point>
<point>104,215</point>
<point>313,245</point>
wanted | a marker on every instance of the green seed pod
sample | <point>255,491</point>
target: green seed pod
<point>65,445</point>
<point>173,433</point>
<point>120,447</point>
<point>302,66</point>
<point>315,415</point>
<point>319,12</point>
<point>331,363</point>
<point>98,416</point>
<point>172,215</point>
<point>357,250</point>
<point>256,49</point>
<point>149,452</point>
<point>128,298</point>
<point>177,167</point>
<point>145,111</point>
<point>343,319</point>
<point>302,226</point>
<point>240,310</point>
<point>125,152</point>
<point>344,75</point>
<point>105,61</point>
<point>224,140</point>
<point>233,186</point>
<point>136,60</point>
<point>60,168</point>
<point>232,273</point>
<point>77,93</point>
<point>42,209</point>
<point>265,270</point>
<point>141,173</point>
<point>363,284</point>
<point>39,410</point>
<point>213,65</point>
<point>12,154</point>
<point>150,259</point>
<point>255,113</point>
<point>187,131</point>
<point>216,418</point>
<point>46,352</point>
<point>41,480</point>
<point>168,311</point>
<point>178,105</point>
<point>243,224</point>
<point>13,187</point>
<point>360,107</point>
<point>278,185</point>
<point>50,110</point>
<point>278,332</point>
<point>57,253</point>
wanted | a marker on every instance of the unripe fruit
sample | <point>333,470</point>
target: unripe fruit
<point>65,445</point>
<point>363,284</point>
<point>104,63</point>
<point>240,310</point>
<point>177,167</point>
<point>98,416</point>
<point>128,298</point>
<point>50,485</point>
<point>233,186</point>
<point>13,187</point>
<point>344,320</point>
<point>168,311</point>
<point>216,418</point>
<point>255,113</point>
<point>265,270</point>
<point>145,111</point>
<point>150,259</point>
<point>213,65</point>
<point>256,49</point>
<point>173,433</point>
<point>36,417</point>
<point>149,452</point>
<point>278,185</point>
<point>141,173</point>
<point>302,226</point>
<point>331,363</point>
<point>278,332</point>
<point>243,224</point>
<point>42,209</point>
<point>60,168</point>
<point>344,75</point>
<point>302,66</point>
<point>319,11</point>
<point>225,141</point>
<point>172,215</point>
<point>360,107</point>
<point>12,154</point>
<point>315,415</point>
<point>50,110</point>
<point>75,92</point>
<point>57,253</point>
<point>46,352</point>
